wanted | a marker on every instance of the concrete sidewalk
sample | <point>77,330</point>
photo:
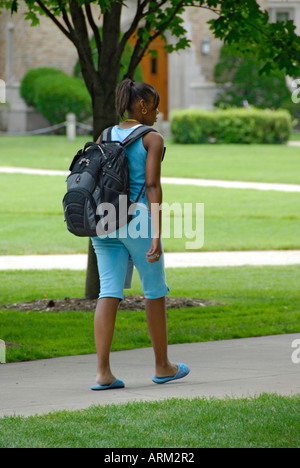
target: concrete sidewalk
<point>172,260</point>
<point>229,184</point>
<point>235,368</point>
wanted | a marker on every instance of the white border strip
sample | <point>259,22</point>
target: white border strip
<point>230,184</point>
<point>172,260</point>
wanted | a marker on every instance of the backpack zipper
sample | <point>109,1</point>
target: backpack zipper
<point>114,176</point>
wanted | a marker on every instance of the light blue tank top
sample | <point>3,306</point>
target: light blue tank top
<point>136,155</point>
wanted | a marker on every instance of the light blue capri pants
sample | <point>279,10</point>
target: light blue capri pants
<point>113,253</point>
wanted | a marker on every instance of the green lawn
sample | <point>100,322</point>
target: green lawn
<point>257,301</point>
<point>255,163</point>
<point>32,217</point>
<point>258,163</point>
<point>295,136</point>
<point>40,151</point>
<point>266,421</point>
<point>31,208</point>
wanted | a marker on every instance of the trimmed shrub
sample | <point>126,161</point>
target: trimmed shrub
<point>27,89</point>
<point>56,95</point>
<point>236,125</point>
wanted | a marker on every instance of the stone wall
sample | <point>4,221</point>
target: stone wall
<point>191,81</point>
<point>32,47</point>
<point>23,47</point>
<point>202,37</point>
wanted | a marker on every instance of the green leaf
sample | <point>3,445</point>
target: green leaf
<point>153,52</point>
<point>32,17</point>
<point>266,69</point>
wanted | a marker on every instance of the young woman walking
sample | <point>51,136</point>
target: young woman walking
<point>141,101</point>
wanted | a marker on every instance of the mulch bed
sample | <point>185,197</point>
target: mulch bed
<point>130,303</point>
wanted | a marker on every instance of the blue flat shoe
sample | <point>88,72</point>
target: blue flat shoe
<point>116,384</point>
<point>183,371</point>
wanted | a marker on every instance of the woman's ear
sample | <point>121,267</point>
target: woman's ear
<point>143,106</point>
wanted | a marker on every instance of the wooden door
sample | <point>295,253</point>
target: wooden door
<point>155,72</point>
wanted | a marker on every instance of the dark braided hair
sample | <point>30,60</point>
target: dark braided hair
<point>130,91</point>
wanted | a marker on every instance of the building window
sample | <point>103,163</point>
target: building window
<point>154,65</point>
<point>281,14</point>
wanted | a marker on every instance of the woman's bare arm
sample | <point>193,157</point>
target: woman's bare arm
<point>154,144</point>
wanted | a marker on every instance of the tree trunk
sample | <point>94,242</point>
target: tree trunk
<point>92,283</point>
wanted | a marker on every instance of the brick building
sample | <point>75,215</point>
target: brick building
<point>184,79</point>
<point>23,47</point>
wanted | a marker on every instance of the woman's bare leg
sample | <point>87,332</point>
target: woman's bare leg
<point>104,324</point>
<point>157,325</point>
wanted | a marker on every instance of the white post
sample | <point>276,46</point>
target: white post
<point>10,59</point>
<point>71,127</point>
<point>2,352</point>
<point>2,92</point>
<point>158,125</point>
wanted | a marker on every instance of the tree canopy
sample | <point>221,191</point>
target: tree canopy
<point>244,23</point>
<point>240,73</point>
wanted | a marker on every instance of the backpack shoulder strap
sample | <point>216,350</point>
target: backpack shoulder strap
<point>136,134</point>
<point>132,137</point>
<point>106,134</point>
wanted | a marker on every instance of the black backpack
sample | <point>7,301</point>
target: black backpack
<point>99,175</point>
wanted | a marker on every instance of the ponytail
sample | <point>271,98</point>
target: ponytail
<point>130,91</point>
<point>123,97</point>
